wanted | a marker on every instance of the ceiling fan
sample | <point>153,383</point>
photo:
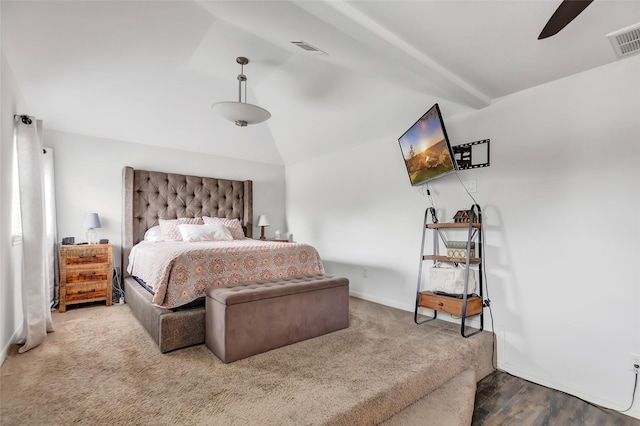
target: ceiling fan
<point>565,13</point>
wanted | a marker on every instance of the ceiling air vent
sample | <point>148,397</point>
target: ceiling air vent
<point>626,41</point>
<point>309,48</point>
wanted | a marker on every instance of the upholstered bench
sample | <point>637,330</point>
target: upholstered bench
<point>251,318</point>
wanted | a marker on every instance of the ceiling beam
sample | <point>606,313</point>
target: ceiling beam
<point>460,91</point>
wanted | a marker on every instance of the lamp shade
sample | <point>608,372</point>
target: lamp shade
<point>91,220</point>
<point>241,112</point>
<point>263,220</point>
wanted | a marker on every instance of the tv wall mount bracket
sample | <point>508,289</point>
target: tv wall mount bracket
<point>472,155</point>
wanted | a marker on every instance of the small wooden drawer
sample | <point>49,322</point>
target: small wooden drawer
<point>84,273</point>
<point>451,305</point>
<point>86,292</point>
<point>89,254</point>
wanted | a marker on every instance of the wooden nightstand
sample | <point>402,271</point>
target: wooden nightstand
<point>85,274</point>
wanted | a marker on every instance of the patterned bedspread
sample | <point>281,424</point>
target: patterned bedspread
<point>179,272</point>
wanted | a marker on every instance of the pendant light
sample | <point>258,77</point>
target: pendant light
<point>241,112</point>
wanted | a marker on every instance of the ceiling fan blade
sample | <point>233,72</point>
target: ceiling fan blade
<point>565,13</point>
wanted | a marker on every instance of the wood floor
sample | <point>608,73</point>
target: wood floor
<point>503,399</point>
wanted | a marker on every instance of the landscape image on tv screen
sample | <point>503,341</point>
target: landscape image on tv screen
<point>425,148</point>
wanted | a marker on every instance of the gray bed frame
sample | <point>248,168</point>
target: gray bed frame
<point>149,196</point>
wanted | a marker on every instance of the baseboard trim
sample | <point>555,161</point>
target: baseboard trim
<point>578,393</point>
<point>5,350</point>
<point>471,322</point>
<point>381,301</point>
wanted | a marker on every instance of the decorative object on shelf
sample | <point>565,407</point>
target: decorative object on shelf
<point>450,280</point>
<point>262,222</point>
<point>91,221</point>
<point>458,249</point>
<point>277,234</point>
<point>241,112</point>
<point>462,216</point>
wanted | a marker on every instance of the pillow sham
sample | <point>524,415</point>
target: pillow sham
<point>153,234</point>
<point>233,224</point>
<point>169,227</point>
<point>205,233</point>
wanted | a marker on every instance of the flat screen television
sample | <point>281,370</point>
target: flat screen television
<point>426,149</point>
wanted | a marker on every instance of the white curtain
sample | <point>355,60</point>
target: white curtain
<point>36,258</point>
<point>50,227</point>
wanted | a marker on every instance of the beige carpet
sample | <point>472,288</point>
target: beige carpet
<point>449,405</point>
<point>101,367</point>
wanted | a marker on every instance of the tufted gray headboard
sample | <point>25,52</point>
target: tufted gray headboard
<point>149,196</point>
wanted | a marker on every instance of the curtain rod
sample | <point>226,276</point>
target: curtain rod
<point>27,120</point>
<point>24,118</point>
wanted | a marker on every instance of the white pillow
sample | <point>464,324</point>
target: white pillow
<point>205,233</point>
<point>233,224</point>
<point>153,234</point>
<point>169,227</point>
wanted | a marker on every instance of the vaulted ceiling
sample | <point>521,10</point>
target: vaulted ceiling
<point>148,71</point>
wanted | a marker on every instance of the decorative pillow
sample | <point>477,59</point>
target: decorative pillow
<point>205,233</point>
<point>169,227</point>
<point>153,234</point>
<point>233,224</point>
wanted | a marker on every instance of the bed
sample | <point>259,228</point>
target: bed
<point>179,272</point>
<point>174,321</point>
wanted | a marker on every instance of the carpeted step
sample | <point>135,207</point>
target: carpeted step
<point>449,405</point>
<point>360,375</point>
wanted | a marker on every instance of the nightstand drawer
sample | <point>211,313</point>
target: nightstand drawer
<point>85,292</point>
<point>87,273</point>
<point>78,255</point>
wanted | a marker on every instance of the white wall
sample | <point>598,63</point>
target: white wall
<point>10,299</point>
<point>88,173</point>
<point>560,201</point>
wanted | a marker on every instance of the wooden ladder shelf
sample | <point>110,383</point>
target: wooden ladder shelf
<point>465,305</point>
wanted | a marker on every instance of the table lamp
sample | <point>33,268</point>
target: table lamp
<point>262,222</point>
<point>91,221</point>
